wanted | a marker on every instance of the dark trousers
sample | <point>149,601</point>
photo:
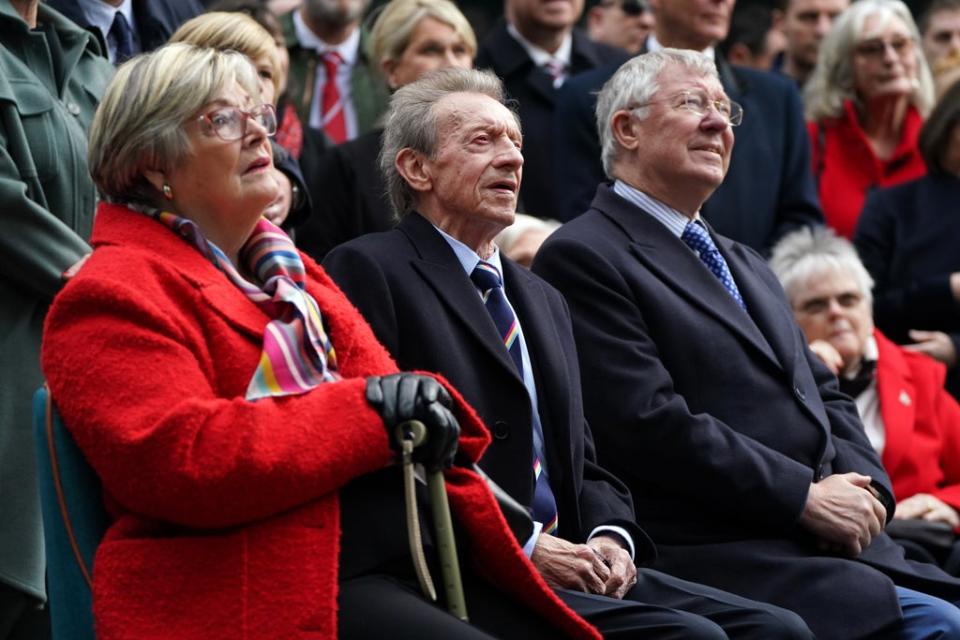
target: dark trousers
<point>659,606</point>
<point>21,616</point>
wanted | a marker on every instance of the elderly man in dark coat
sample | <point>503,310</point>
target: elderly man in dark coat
<point>452,162</point>
<point>747,466</point>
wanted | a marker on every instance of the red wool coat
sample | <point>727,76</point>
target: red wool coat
<point>846,167</point>
<point>226,519</point>
<point>921,423</point>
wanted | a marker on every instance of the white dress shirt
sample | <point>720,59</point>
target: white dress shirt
<point>541,56</point>
<point>99,14</point>
<point>469,260</point>
<point>349,51</point>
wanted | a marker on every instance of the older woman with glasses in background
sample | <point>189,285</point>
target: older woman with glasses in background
<point>908,416</point>
<point>907,237</point>
<point>865,103</point>
<point>237,408</point>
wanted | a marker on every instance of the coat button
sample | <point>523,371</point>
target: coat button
<point>799,393</point>
<point>73,108</point>
<point>501,430</point>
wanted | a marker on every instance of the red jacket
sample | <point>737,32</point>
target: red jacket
<point>226,520</point>
<point>921,423</point>
<point>846,167</point>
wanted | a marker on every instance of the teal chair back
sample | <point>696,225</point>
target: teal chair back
<point>74,522</point>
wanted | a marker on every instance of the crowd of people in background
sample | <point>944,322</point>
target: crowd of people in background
<point>679,275</point>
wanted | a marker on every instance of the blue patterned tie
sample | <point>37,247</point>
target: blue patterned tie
<point>122,36</point>
<point>700,241</point>
<point>487,279</point>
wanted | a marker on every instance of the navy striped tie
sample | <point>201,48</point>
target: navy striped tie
<point>487,279</point>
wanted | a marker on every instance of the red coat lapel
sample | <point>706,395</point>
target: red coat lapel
<point>895,389</point>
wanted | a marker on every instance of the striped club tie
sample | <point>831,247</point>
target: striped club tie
<point>487,279</point>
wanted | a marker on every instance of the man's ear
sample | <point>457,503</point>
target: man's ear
<point>594,20</point>
<point>740,55</point>
<point>625,129</point>
<point>156,179</point>
<point>411,165</point>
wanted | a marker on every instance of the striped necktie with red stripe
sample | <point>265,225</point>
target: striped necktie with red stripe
<point>487,279</point>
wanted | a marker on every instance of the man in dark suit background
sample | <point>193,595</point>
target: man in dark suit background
<point>534,51</point>
<point>452,164</point>
<point>746,464</point>
<point>769,190</point>
<point>334,86</point>
<point>128,27</point>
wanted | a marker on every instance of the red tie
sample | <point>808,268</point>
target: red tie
<point>332,120</point>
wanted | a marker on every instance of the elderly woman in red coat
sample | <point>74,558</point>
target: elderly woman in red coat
<point>237,408</point>
<point>864,104</point>
<point>909,418</point>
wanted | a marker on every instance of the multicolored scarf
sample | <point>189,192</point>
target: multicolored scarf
<point>297,353</point>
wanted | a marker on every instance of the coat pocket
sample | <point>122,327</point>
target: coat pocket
<point>36,109</point>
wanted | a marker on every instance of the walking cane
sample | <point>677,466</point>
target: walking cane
<point>412,434</point>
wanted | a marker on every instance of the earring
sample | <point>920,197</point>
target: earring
<point>167,191</point>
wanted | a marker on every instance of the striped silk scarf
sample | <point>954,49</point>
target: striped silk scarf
<point>297,353</point>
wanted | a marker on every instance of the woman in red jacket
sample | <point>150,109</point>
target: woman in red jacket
<point>237,408</point>
<point>864,103</point>
<point>908,416</point>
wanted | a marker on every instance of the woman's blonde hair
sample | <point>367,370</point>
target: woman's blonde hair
<point>139,124</point>
<point>391,31</point>
<point>832,81</point>
<point>232,31</point>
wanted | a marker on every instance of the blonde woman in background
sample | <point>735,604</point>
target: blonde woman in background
<point>865,103</point>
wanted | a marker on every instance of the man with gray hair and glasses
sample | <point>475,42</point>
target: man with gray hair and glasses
<point>746,464</point>
<point>441,298</point>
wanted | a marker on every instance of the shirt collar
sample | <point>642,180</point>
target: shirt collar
<point>468,257</point>
<point>99,14</point>
<point>672,219</point>
<point>349,49</point>
<point>654,45</point>
<point>539,56</point>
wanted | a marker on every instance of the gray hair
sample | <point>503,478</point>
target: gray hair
<point>634,85</point>
<point>139,124</point>
<point>411,122</point>
<point>832,82</point>
<point>806,253</point>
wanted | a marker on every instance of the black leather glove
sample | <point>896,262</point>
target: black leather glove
<point>400,397</point>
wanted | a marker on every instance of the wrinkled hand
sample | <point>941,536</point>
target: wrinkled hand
<point>400,397</point>
<point>842,512</point>
<point>278,210</point>
<point>927,507</point>
<point>830,356</point>
<point>935,344</point>
<point>565,565</point>
<point>623,573</point>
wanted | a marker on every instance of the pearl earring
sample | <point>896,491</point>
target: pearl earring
<point>167,191</point>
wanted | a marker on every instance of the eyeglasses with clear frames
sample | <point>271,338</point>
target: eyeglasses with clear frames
<point>699,103</point>
<point>230,123</point>
<point>876,48</point>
